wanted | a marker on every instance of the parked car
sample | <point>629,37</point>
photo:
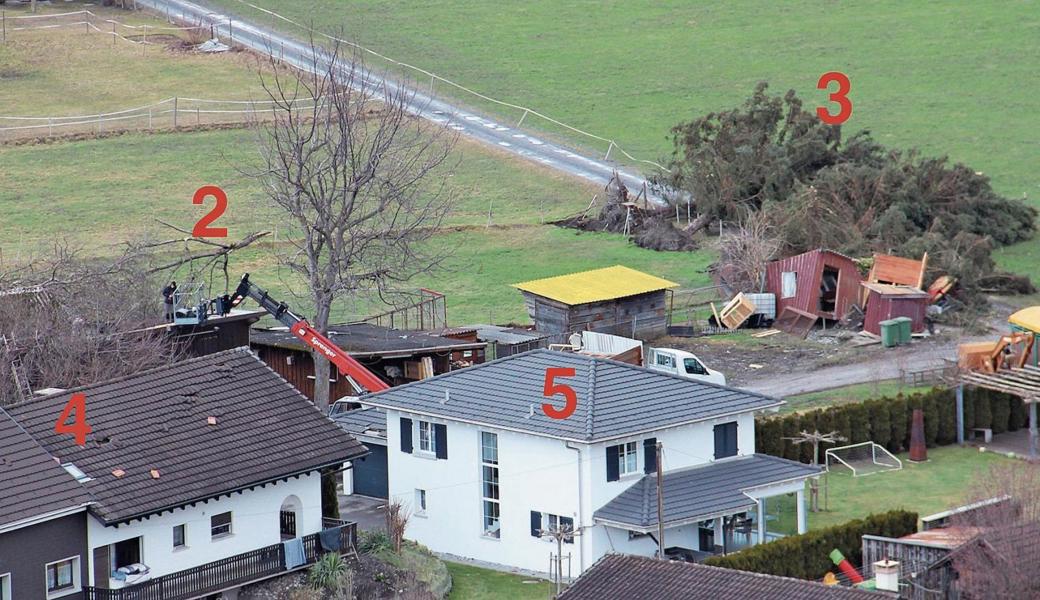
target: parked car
<point>683,364</point>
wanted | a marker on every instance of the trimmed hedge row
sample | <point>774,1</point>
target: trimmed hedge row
<point>806,556</point>
<point>886,421</point>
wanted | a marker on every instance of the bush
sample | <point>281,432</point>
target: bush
<point>900,419</point>
<point>1000,412</point>
<point>983,412</point>
<point>806,556</point>
<point>373,542</point>
<point>330,573</point>
<point>880,423</point>
<point>859,423</point>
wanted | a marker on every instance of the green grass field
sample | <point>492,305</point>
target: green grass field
<point>473,583</point>
<point>947,77</point>
<point>852,393</point>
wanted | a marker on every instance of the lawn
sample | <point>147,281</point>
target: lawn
<point>852,393</point>
<point>926,488</point>
<point>948,77</point>
<point>474,583</point>
<point>68,71</point>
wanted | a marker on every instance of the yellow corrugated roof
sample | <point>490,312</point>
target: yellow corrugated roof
<point>1027,318</point>
<point>595,285</point>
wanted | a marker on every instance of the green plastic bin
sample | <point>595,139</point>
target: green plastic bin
<point>889,333</point>
<point>905,324</point>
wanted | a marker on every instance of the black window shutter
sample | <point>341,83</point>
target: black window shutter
<point>567,524</point>
<point>725,440</point>
<point>731,432</point>
<point>536,523</point>
<point>440,437</point>
<point>406,435</point>
<point>650,455</point>
<point>613,453</point>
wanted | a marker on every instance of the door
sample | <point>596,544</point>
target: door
<point>370,473</point>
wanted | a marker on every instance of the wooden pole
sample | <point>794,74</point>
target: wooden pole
<point>175,112</point>
<point>660,504</point>
<point>3,18</point>
<point>960,414</point>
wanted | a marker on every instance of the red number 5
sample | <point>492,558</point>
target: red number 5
<point>202,228</point>
<point>551,389</point>
<point>840,96</point>
<point>79,427</point>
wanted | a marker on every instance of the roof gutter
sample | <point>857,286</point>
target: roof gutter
<point>581,522</point>
<point>56,514</point>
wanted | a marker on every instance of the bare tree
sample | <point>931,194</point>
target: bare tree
<point>746,250</point>
<point>396,522</point>
<point>999,562</point>
<point>359,181</point>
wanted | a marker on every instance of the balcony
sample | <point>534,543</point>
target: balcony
<point>227,573</point>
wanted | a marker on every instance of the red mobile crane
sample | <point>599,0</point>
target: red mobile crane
<point>303,330</point>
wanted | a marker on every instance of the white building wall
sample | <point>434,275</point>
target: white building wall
<point>254,524</point>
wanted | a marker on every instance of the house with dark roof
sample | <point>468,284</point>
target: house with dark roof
<point>489,474</point>
<point>43,521</point>
<point>618,577</point>
<point>210,460</point>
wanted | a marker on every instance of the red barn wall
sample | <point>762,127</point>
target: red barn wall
<point>809,268</point>
<point>882,308</point>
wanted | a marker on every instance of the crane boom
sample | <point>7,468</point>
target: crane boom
<point>309,335</point>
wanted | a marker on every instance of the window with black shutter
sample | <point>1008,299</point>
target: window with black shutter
<point>650,455</point>
<point>406,435</point>
<point>613,472</point>
<point>725,440</point>
<point>440,440</point>
<point>536,523</point>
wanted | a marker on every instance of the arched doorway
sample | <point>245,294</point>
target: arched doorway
<point>288,516</point>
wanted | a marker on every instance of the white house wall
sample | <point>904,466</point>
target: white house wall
<point>254,521</point>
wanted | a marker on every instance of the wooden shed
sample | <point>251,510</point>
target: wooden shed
<point>886,302</point>
<point>615,300</point>
<point>820,282</point>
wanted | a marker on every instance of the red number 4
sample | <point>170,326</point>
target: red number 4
<point>840,96</point>
<point>551,389</point>
<point>79,427</point>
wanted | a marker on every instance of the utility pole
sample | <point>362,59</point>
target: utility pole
<point>560,534</point>
<point>660,505</point>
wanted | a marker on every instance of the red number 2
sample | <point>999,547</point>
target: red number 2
<point>202,228</point>
<point>79,427</point>
<point>551,389</point>
<point>840,96</point>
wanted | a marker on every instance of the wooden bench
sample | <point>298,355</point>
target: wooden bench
<point>987,434</point>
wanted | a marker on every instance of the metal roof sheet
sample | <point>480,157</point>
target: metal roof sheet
<point>595,285</point>
<point>364,339</point>
<point>701,492</point>
<point>614,399</point>
<point>368,422</point>
<point>1027,318</point>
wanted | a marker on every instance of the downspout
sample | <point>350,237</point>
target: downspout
<point>581,522</point>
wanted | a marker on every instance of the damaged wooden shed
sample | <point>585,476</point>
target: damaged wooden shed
<point>885,302</point>
<point>615,300</point>
<point>819,282</point>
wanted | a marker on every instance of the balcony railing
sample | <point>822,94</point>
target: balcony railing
<point>224,574</point>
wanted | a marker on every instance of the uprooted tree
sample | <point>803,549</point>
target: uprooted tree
<point>852,195</point>
<point>359,181</point>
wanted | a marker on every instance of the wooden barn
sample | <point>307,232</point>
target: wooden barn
<point>395,356</point>
<point>820,282</point>
<point>615,300</point>
<point>885,301</point>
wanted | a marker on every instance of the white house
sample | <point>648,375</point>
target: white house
<point>205,460</point>
<point>486,471</point>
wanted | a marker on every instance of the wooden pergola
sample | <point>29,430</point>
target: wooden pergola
<point>1022,381</point>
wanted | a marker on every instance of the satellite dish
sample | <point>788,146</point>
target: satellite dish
<point>575,340</point>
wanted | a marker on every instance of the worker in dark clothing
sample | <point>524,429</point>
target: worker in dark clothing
<point>167,293</point>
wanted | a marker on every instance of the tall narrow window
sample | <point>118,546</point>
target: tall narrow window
<point>5,586</point>
<point>426,437</point>
<point>788,284</point>
<point>627,458</point>
<point>420,502</point>
<point>178,536</point>
<point>489,484</point>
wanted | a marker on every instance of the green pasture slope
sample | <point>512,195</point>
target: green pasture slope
<point>948,77</point>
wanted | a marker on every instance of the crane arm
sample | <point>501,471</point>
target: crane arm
<point>299,327</point>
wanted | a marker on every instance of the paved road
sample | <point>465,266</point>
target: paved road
<point>476,126</point>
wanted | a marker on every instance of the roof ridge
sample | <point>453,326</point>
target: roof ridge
<point>134,375</point>
<point>590,409</point>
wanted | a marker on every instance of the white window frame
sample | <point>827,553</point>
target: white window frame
<point>788,284</point>
<point>76,586</point>
<point>230,526</point>
<point>184,535</point>
<point>5,586</point>
<point>623,455</point>
<point>670,362</point>
<point>486,501</point>
<point>420,502</point>
<point>431,437</point>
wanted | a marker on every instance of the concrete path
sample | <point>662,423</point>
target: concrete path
<point>479,127</point>
<point>368,512</point>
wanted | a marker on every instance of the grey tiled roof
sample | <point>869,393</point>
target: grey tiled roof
<point>614,399</point>
<point>701,491</point>
<point>31,482</point>
<point>157,419</point>
<point>368,422</point>
<point>622,577</point>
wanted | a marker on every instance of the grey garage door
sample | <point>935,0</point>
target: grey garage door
<point>370,474</point>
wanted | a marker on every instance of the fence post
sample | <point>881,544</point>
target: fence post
<point>50,126</point>
<point>149,117</point>
<point>522,117</point>
<point>3,18</point>
<point>198,115</point>
<point>175,112</point>
<point>113,33</point>
<point>609,148</point>
<point>230,32</point>
<point>99,123</point>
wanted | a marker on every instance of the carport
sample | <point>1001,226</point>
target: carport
<point>368,476</point>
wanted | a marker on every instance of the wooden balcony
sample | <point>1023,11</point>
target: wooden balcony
<point>227,573</point>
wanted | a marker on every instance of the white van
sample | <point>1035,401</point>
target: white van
<point>683,364</point>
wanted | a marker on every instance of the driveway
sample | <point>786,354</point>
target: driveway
<point>367,512</point>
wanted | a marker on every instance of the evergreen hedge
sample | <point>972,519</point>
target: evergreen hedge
<point>886,421</point>
<point>806,556</point>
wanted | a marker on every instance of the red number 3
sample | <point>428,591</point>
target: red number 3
<point>551,389</point>
<point>202,228</point>
<point>79,427</point>
<point>840,96</point>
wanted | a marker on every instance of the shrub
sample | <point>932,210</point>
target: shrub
<point>859,423</point>
<point>372,542</point>
<point>1018,415</point>
<point>880,423</point>
<point>806,556</point>
<point>1000,412</point>
<point>330,573</point>
<point>983,412</point>
<point>900,419</point>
